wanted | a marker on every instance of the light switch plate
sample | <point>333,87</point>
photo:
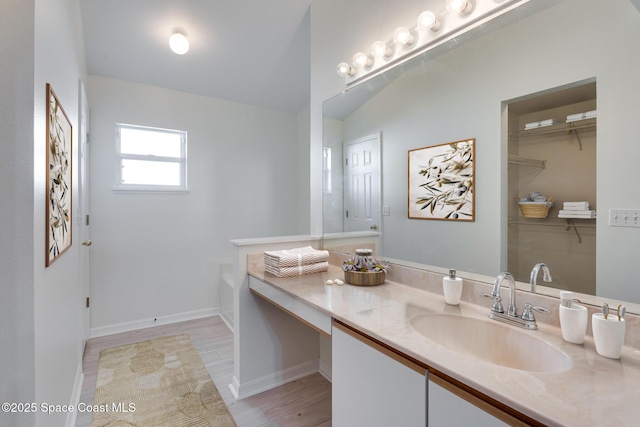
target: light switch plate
<point>386,210</point>
<point>624,217</point>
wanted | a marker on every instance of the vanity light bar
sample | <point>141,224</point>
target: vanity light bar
<point>431,30</point>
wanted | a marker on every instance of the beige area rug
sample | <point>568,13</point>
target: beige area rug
<point>160,382</point>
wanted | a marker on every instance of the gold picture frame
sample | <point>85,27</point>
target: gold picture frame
<point>442,181</point>
<point>59,179</point>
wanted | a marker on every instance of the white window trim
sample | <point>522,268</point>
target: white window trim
<point>146,188</point>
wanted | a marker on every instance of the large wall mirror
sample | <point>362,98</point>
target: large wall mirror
<point>575,54</point>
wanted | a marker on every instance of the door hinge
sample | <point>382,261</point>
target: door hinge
<point>347,214</point>
<point>88,304</point>
<point>86,220</point>
<point>346,162</point>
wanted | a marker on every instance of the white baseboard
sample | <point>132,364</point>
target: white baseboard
<point>250,388</point>
<point>324,370</point>
<point>75,397</point>
<point>227,319</point>
<point>101,331</point>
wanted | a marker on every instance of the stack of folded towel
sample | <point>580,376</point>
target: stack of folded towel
<point>540,124</point>
<point>582,116</point>
<point>576,210</point>
<point>296,262</point>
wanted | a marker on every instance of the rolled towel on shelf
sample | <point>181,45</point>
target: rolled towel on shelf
<point>582,116</point>
<point>540,124</point>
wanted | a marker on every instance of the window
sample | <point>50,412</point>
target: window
<point>150,159</point>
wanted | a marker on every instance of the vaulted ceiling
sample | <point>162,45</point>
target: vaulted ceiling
<point>249,51</point>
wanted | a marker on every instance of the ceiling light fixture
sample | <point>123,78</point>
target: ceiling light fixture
<point>462,7</point>
<point>428,33</point>
<point>427,21</point>
<point>178,42</point>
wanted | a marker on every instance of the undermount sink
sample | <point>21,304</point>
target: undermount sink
<point>492,342</point>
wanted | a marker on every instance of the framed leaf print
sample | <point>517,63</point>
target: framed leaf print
<point>441,181</point>
<point>59,188</point>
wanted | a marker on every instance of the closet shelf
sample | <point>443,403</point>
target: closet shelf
<point>561,127</point>
<point>566,223</point>
<point>523,161</point>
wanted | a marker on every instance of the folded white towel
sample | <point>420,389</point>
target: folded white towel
<point>576,205</point>
<point>582,116</point>
<point>576,208</point>
<point>297,271</point>
<point>576,214</point>
<point>295,257</point>
<point>540,124</point>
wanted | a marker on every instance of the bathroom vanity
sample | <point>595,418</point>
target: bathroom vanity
<point>389,367</point>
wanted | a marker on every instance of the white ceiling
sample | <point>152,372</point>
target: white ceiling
<point>249,51</point>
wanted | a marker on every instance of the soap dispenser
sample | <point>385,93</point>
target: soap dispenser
<point>452,287</point>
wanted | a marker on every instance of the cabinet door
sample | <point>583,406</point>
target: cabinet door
<point>447,409</point>
<point>372,386</point>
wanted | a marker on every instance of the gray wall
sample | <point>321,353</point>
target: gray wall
<point>16,216</point>
<point>158,255</point>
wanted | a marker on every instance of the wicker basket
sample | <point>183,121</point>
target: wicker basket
<point>536,210</point>
<point>364,278</point>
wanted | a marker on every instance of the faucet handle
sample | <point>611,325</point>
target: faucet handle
<point>497,302</point>
<point>527,313</point>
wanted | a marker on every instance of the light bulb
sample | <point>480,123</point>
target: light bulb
<point>361,60</point>
<point>459,6</point>
<point>345,69</point>
<point>179,43</point>
<point>427,21</point>
<point>380,49</point>
<point>403,36</point>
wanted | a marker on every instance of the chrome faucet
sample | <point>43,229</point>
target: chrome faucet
<point>512,310</point>
<point>534,275</point>
<point>527,320</point>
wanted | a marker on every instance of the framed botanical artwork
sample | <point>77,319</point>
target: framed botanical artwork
<point>441,181</point>
<point>59,194</point>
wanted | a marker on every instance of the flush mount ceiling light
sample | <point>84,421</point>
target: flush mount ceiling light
<point>427,21</point>
<point>462,7</point>
<point>178,42</point>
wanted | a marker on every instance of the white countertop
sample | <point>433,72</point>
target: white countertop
<point>594,391</point>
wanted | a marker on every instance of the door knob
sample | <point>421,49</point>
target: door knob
<point>86,243</point>
<point>374,227</point>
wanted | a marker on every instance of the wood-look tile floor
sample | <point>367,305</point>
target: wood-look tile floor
<point>304,402</point>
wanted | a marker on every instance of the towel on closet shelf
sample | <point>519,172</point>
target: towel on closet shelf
<point>576,206</point>
<point>582,116</point>
<point>295,257</point>
<point>584,214</point>
<point>540,124</point>
<point>317,267</point>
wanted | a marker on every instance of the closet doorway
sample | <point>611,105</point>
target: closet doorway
<point>552,186</point>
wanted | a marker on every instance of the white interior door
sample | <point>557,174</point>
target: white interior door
<point>362,184</point>
<point>83,217</point>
